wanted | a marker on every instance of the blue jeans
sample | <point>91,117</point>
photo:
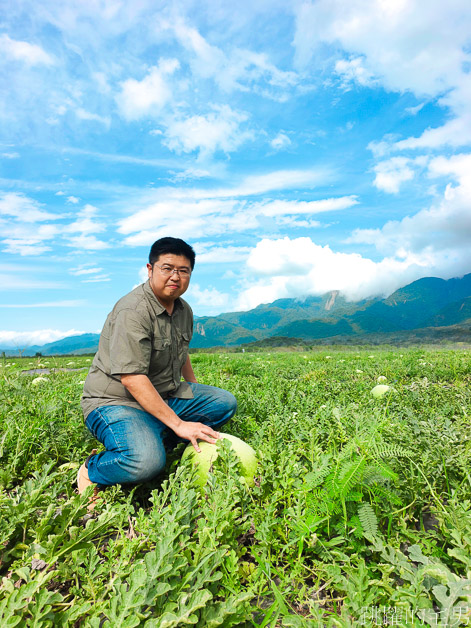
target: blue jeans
<point>135,441</point>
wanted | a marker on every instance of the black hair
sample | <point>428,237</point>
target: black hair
<point>176,246</point>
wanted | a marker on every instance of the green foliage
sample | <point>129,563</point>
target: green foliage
<point>360,504</point>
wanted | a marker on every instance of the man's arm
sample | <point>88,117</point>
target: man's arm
<point>146,395</point>
<point>188,373</point>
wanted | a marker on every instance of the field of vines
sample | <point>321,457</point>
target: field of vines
<point>360,514</point>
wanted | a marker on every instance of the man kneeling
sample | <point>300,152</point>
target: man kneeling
<point>134,400</point>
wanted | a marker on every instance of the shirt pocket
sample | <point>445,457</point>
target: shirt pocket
<point>161,354</point>
<point>183,340</point>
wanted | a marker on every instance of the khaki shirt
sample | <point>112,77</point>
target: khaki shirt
<point>139,336</point>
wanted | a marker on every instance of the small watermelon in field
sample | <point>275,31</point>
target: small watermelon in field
<point>380,390</point>
<point>209,452</point>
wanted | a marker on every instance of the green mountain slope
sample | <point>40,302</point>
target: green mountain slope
<point>424,304</point>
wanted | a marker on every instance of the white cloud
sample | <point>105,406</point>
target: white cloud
<point>190,173</point>
<point>98,279</point>
<point>218,130</point>
<point>292,268</point>
<point>433,242</point>
<point>455,133</point>
<point>213,300</point>
<point>438,237</point>
<point>85,226</point>
<point>82,114</point>
<point>276,180</point>
<point>85,223</point>
<point>204,218</point>
<point>296,223</point>
<point>31,54</point>
<point>280,208</point>
<point>26,238</point>
<point>413,111</point>
<point>85,269</point>
<point>392,173</point>
<point>23,247</point>
<point>280,142</point>
<point>146,98</point>
<point>220,254</point>
<point>354,71</point>
<point>10,155</point>
<point>237,69</point>
<point>409,48</point>
<point>23,208</point>
<point>87,242</point>
<point>15,339</point>
<point>73,199</point>
<point>404,46</point>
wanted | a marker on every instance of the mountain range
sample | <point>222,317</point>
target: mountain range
<point>427,310</point>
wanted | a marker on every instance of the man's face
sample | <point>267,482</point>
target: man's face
<point>168,287</point>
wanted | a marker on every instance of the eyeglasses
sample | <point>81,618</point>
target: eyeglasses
<point>167,271</point>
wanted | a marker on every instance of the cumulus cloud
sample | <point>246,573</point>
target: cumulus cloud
<point>442,230</point>
<point>403,46</point>
<point>291,268</point>
<point>434,241</point>
<point>15,339</point>
<point>391,173</point>
<point>147,97</point>
<point>87,242</point>
<point>30,54</point>
<point>217,130</point>
<point>298,267</point>
<point>85,223</point>
<point>213,300</point>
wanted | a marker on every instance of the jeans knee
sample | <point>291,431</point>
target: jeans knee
<point>143,464</point>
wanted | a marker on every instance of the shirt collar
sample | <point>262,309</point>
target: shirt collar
<point>158,307</point>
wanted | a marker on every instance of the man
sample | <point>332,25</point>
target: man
<point>134,401</point>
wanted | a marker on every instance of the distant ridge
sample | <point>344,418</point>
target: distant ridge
<point>424,304</point>
<point>427,310</point>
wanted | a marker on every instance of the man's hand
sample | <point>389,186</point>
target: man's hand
<point>193,431</point>
<point>147,396</point>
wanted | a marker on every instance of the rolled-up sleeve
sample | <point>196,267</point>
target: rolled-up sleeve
<point>130,344</point>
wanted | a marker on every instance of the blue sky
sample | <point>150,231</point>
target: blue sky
<point>300,147</point>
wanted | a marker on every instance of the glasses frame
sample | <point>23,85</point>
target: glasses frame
<point>183,273</point>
